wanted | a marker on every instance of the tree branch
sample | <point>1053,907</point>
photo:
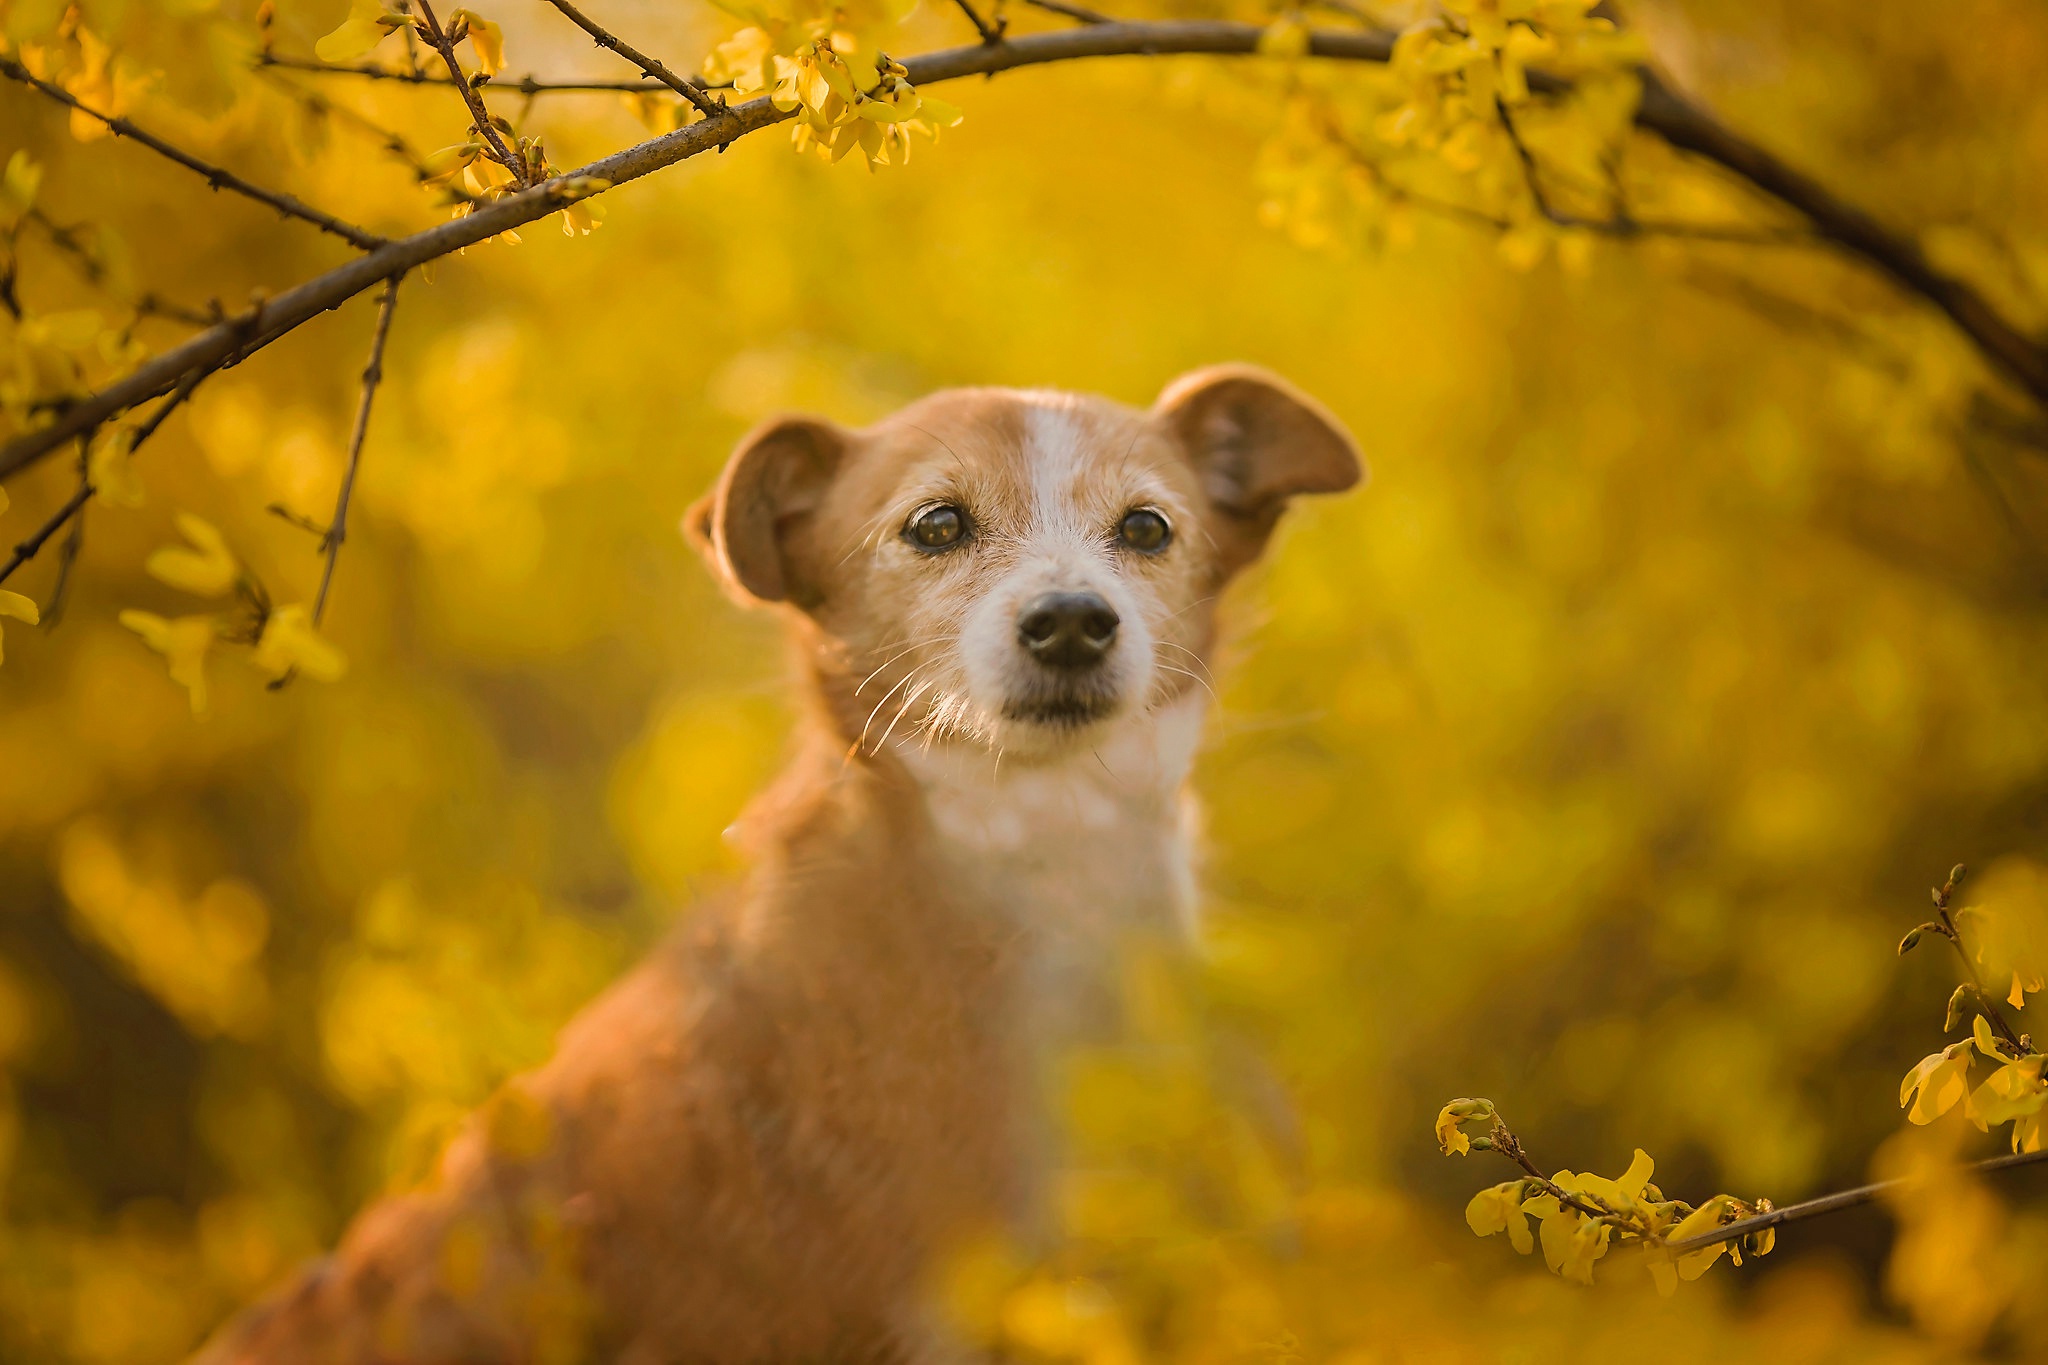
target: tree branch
<point>439,40</point>
<point>1834,1203</point>
<point>1688,127</point>
<point>94,271</point>
<point>216,176</point>
<point>75,504</point>
<point>373,374</point>
<point>526,85</point>
<point>990,33</point>
<point>705,105</point>
<point>1661,113</point>
<point>1074,12</point>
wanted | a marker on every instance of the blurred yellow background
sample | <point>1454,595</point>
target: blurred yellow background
<point>1592,759</point>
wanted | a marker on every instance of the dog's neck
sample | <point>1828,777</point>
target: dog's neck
<point>1078,856</point>
<point>1097,841</point>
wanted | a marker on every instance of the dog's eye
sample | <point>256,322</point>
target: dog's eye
<point>937,528</point>
<point>1144,530</point>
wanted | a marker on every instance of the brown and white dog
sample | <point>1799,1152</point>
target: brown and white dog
<point>752,1148</point>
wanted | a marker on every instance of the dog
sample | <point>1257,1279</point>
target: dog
<point>755,1146</point>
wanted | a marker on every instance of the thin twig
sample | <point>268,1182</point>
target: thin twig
<point>438,39</point>
<point>31,547</point>
<point>1510,1146</point>
<point>1531,172</point>
<point>373,374</point>
<point>525,85</point>
<point>1661,112</point>
<point>391,142</point>
<point>706,105</point>
<point>94,271</point>
<point>1944,895</point>
<point>216,176</point>
<point>74,540</point>
<point>990,33</point>
<point>1078,13</point>
<point>1832,1203</point>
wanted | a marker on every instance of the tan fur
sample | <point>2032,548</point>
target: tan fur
<point>752,1148</point>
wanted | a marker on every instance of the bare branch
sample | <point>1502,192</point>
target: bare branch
<point>1075,12</point>
<point>706,105</point>
<point>75,504</point>
<point>391,142</point>
<point>438,39</point>
<point>1688,127</point>
<point>373,374</point>
<point>990,33</point>
<point>89,265</point>
<point>525,85</point>
<point>1834,1203</point>
<point>216,176</point>
<point>1661,113</point>
<point>30,548</point>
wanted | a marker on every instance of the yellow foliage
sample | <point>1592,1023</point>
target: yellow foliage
<point>1583,760</point>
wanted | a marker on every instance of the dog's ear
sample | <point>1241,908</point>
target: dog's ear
<point>753,525</point>
<point>1255,442</point>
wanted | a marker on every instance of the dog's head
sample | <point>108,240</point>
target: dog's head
<point>1015,568</point>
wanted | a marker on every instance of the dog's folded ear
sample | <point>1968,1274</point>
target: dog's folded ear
<point>1256,442</point>
<point>753,526</point>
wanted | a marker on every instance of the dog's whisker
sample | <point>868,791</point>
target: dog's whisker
<point>869,723</point>
<point>913,645</point>
<point>908,702</point>
<point>1186,673</point>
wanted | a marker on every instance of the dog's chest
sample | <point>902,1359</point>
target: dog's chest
<point>1073,860</point>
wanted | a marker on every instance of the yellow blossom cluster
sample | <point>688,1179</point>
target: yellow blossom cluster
<point>1999,941</point>
<point>283,640</point>
<point>847,94</point>
<point>1579,1214</point>
<point>1460,117</point>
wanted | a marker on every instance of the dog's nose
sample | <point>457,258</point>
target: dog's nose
<point>1067,629</point>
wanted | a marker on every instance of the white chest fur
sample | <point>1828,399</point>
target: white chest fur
<point>1076,855</point>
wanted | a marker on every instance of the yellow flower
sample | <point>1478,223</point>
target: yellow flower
<point>290,644</point>
<point>19,607</point>
<point>97,86</point>
<point>1692,1264</point>
<point>1449,1135</point>
<point>486,39</point>
<point>1500,1210</point>
<point>183,642</point>
<point>207,570</point>
<point>1285,37</point>
<point>18,187</point>
<point>111,472</point>
<point>1936,1083</point>
<point>366,26</point>
<point>1571,1240</point>
<point>2011,1092</point>
<point>747,59</point>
